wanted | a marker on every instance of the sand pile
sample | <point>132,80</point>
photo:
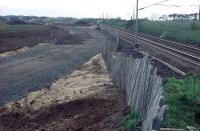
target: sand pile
<point>85,100</point>
<point>86,80</point>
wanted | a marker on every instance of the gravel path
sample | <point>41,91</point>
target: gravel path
<point>38,67</point>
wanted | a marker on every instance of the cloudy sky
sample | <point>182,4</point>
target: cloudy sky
<point>93,8</point>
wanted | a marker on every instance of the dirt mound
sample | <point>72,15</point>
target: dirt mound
<point>69,39</point>
<point>88,114</point>
<point>14,37</point>
<point>81,23</point>
<point>73,38</point>
<point>128,49</point>
<point>85,100</point>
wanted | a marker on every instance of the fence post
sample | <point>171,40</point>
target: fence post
<point>138,78</point>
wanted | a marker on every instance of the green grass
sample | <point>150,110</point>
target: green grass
<point>183,98</point>
<point>180,31</point>
<point>132,121</point>
<point>118,22</point>
<point>185,32</point>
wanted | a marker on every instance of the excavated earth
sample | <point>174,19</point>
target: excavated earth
<point>135,52</point>
<point>33,68</point>
<point>82,100</point>
<point>14,37</point>
<point>85,100</point>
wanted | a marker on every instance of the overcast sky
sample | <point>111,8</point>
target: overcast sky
<point>93,8</point>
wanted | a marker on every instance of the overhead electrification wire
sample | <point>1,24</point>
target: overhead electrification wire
<point>153,4</point>
<point>177,5</point>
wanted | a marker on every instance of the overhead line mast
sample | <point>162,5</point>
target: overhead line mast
<point>136,21</point>
<point>136,24</point>
<point>199,9</point>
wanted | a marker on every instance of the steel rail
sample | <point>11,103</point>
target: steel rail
<point>167,64</point>
<point>169,52</point>
<point>172,42</point>
<point>163,40</point>
<point>149,42</point>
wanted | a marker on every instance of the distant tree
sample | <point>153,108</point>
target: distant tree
<point>163,17</point>
<point>172,16</point>
<point>14,20</point>
<point>195,16</point>
<point>183,17</point>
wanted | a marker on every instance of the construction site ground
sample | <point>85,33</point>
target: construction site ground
<point>84,100</point>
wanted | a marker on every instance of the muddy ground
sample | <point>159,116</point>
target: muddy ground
<point>85,100</point>
<point>14,37</point>
<point>37,67</point>
<point>135,51</point>
<point>90,114</point>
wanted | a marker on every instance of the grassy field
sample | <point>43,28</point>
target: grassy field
<point>183,97</point>
<point>184,32</point>
<point>118,22</point>
<point>180,31</point>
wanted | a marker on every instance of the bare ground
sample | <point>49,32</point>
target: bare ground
<point>128,49</point>
<point>83,101</point>
<point>30,69</point>
<point>14,37</point>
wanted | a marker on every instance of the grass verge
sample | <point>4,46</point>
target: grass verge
<point>132,121</point>
<point>118,22</point>
<point>183,97</point>
<point>180,31</point>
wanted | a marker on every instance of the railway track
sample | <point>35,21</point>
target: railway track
<point>185,53</point>
<point>181,47</point>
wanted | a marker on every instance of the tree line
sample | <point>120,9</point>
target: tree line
<point>180,17</point>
